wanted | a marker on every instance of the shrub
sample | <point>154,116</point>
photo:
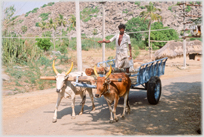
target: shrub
<point>44,16</point>
<point>125,11</point>
<point>169,8</point>
<point>34,10</point>
<point>43,43</point>
<point>135,48</point>
<point>137,3</point>
<point>27,13</point>
<point>20,21</point>
<point>142,7</point>
<point>188,8</point>
<point>24,29</point>
<point>37,24</point>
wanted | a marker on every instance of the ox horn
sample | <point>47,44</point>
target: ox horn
<point>69,69</point>
<point>108,74</point>
<point>95,72</point>
<point>53,66</point>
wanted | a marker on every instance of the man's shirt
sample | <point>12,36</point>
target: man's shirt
<point>121,50</point>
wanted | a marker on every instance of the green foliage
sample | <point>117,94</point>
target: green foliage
<point>136,24</point>
<point>95,32</point>
<point>43,43</point>
<point>137,3</point>
<point>85,13</point>
<point>37,24</point>
<point>34,10</point>
<point>198,2</point>
<point>20,21</point>
<point>125,11</point>
<point>27,13</point>
<point>14,18</point>
<point>110,57</point>
<point>87,19</point>
<point>191,39</point>
<point>169,8</point>
<point>8,13</point>
<point>24,29</point>
<point>142,7</point>
<point>188,8</point>
<point>135,48</point>
<point>49,4</point>
<point>162,35</point>
<point>44,16</point>
<point>84,47</point>
<point>17,50</point>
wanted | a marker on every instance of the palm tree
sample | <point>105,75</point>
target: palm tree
<point>61,21</point>
<point>153,17</point>
<point>43,25</point>
<point>73,21</point>
<point>51,24</point>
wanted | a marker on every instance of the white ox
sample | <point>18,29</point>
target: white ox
<point>66,89</point>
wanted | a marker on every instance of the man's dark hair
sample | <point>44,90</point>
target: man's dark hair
<point>121,26</point>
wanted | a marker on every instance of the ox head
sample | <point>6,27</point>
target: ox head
<point>102,83</point>
<point>61,78</point>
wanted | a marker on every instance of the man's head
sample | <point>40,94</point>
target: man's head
<point>121,27</point>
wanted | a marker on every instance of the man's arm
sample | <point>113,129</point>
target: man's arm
<point>130,49</point>
<point>104,41</point>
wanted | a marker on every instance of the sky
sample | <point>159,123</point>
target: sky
<point>24,6</point>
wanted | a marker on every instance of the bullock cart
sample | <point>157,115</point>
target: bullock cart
<point>146,75</point>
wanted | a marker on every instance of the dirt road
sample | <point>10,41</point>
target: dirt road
<point>178,113</point>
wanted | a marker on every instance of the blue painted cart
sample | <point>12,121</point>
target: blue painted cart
<point>146,75</point>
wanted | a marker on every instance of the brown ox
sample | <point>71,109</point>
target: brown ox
<point>112,90</point>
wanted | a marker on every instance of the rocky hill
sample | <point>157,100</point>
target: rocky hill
<point>116,13</point>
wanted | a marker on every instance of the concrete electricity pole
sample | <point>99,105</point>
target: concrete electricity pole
<point>78,30</point>
<point>103,34</point>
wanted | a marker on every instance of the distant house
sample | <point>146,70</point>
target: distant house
<point>174,49</point>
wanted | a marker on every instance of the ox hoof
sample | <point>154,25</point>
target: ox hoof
<point>73,117</point>
<point>93,109</point>
<point>111,121</point>
<point>123,117</point>
<point>80,113</point>
<point>116,120</point>
<point>54,120</point>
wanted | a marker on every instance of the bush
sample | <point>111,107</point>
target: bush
<point>20,21</point>
<point>169,8</point>
<point>37,24</point>
<point>188,8</point>
<point>44,16</point>
<point>44,43</point>
<point>142,7</point>
<point>137,3</point>
<point>23,29</point>
<point>34,10</point>
<point>135,48</point>
<point>27,13</point>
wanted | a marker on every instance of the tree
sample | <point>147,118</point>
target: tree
<point>43,25</point>
<point>61,21</point>
<point>136,24</point>
<point>72,20</point>
<point>8,14</point>
<point>153,17</point>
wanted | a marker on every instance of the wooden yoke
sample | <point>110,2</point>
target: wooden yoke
<point>80,78</point>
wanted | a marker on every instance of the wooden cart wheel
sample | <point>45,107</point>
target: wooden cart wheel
<point>154,90</point>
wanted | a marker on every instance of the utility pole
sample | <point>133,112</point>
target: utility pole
<point>78,30</point>
<point>184,39</point>
<point>103,33</point>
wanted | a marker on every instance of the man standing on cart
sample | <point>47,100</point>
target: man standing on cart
<point>122,43</point>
